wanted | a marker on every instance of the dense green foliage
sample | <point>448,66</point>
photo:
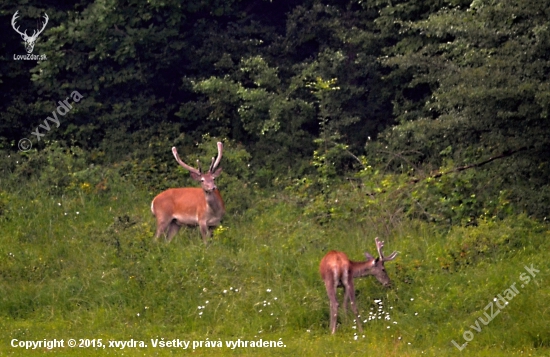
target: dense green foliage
<point>417,87</point>
<point>423,122</point>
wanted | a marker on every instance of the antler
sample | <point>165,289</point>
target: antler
<point>183,164</point>
<point>215,164</point>
<point>43,26</point>
<point>379,246</point>
<point>24,34</point>
<point>17,29</point>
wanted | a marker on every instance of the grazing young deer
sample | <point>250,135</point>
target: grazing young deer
<point>337,270</point>
<point>190,206</point>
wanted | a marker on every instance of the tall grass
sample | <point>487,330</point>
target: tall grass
<point>84,264</point>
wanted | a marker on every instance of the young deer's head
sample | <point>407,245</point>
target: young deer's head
<point>376,266</point>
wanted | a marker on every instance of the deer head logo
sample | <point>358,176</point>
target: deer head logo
<point>29,40</point>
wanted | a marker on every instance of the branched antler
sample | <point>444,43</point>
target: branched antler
<point>379,246</point>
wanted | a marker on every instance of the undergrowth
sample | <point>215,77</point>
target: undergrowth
<point>80,261</point>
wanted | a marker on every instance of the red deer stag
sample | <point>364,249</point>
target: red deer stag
<point>190,206</point>
<point>337,270</point>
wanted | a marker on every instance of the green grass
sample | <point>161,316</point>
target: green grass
<point>85,266</point>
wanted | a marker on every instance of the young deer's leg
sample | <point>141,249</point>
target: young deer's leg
<point>173,228</point>
<point>330,284</point>
<point>346,291</point>
<point>351,295</point>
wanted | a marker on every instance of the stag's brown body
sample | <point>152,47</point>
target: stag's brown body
<point>190,206</point>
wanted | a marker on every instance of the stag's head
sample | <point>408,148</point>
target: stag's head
<point>377,266</point>
<point>206,179</point>
<point>29,40</point>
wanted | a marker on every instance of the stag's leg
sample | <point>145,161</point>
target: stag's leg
<point>162,227</point>
<point>173,228</point>
<point>350,292</point>
<point>331,292</point>
<point>205,233</point>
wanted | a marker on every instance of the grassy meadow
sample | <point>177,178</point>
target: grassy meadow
<point>83,264</point>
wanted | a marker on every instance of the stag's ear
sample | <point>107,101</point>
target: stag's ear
<point>195,176</point>
<point>368,256</point>
<point>217,172</point>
